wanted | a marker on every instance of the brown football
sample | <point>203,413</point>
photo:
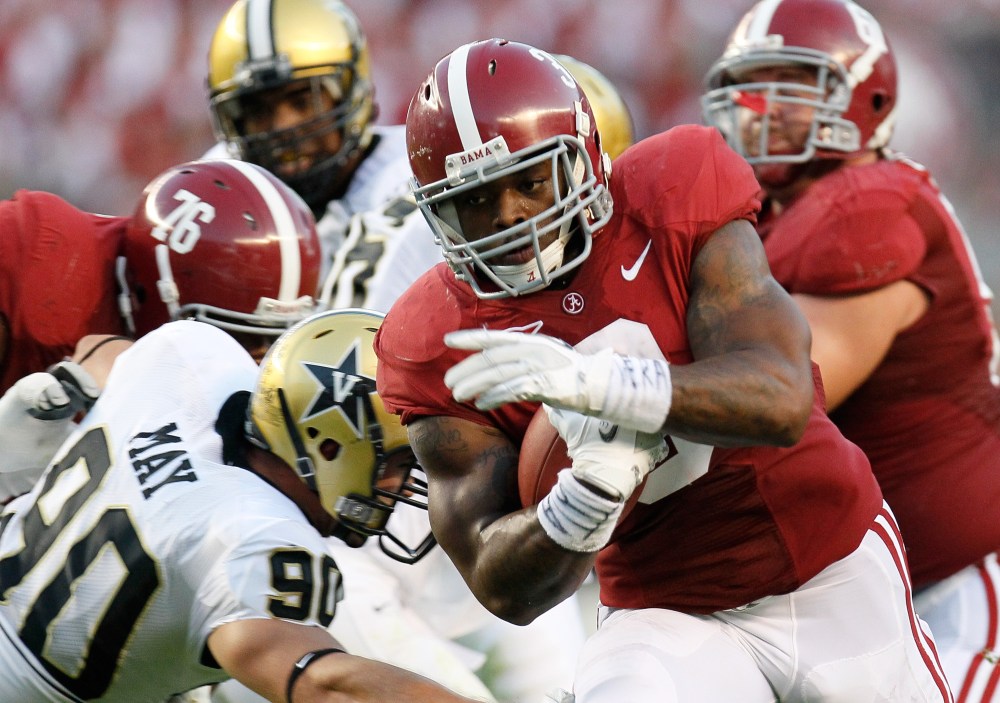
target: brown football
<point>543,456</point>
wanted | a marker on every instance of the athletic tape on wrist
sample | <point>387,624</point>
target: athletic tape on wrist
<point>639,393</point>
<point>575,517</point>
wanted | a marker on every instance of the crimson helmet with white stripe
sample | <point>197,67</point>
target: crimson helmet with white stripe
<point>221,241</point>
<point>490,109</point>
<point>855,94</point>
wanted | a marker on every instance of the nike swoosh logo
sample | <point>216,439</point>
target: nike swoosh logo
<point>629,274</point>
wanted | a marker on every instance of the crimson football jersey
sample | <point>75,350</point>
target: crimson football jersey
<point>714,528</point>
<point>929,416</point>
<point>57,281</point>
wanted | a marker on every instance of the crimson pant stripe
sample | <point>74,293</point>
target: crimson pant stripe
<point>987,569</point>
<point>885,527</point>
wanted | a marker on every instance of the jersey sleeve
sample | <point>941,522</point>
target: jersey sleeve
<point>262,561</point>
<point>58,264</point>
<point>849,238</point>
<point>277,568</point>
<point>412,355</point>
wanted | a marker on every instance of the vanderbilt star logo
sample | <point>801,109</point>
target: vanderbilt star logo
<point>336,389</point>
<point>630,273</point>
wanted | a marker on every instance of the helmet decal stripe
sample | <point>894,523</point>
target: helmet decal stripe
<point>461,105</point>
<point>871,33</point>
<point>288,238</point>
<point>762,20</point>
<point>260,31</point>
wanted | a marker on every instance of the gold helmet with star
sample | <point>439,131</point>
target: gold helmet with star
<point>315,54</point>
<point>315,407</point>
<point>614,121</point>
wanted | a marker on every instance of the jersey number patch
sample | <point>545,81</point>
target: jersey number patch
<point>67,582</point>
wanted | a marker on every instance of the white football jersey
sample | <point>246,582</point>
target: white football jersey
<point>138,541</point>
<point>381,241</point>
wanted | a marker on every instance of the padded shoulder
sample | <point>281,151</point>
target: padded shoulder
<point>687,176</point>
<point>61,259</point>
<point>851,232</point>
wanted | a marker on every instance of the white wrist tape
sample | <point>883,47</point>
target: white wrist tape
<point>638,393</point>
<point>577,518</point>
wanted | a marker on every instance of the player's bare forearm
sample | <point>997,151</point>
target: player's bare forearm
<point>510,564</point>
<point>359,680</point>
<point>751,382</point>
<point>522,573</point>
<point>261,652</point>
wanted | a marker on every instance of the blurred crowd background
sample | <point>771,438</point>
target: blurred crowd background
<point>98,96</point>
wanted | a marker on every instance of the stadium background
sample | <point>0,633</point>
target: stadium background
<point>98,96</point>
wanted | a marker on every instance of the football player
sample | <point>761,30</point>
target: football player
<point>290,89</point>
<point>178,536</point>
<point>218,240</point>
<point>759,543</point>
<point>901,324</point>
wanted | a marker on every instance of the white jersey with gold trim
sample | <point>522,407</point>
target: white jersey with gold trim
<point>138,541</point>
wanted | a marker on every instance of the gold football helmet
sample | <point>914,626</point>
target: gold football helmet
<point>313,51</point>
<point>614,121</point>
<point>315,406</point>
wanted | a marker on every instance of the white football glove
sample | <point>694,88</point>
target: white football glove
<point>514,366</point>
<point>581,511</point>
<point>611,458</point>
<point>36,414</point>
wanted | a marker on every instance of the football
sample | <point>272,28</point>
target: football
<point>543,456</point>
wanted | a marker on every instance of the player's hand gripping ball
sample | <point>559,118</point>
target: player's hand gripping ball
<point>543,455</point>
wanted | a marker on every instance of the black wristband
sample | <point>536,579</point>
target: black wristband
<point>300,666</point>
<point>112,338</point>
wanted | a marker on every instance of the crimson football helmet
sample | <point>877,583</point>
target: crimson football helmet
<point>262,47</point>
<point>316,407</point>
<point>221,241</point>
<point>491,109</point>
<point>855,94</point>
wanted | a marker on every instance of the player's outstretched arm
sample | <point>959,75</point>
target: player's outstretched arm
<point>751,381</point>
<point>264,654</point>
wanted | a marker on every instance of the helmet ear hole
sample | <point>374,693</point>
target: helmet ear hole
<point>880,101</point>
<point>329,449</point>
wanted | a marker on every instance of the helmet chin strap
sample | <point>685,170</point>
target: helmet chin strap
<point>551,259</point>
<point>124,296</point>
<point>166,286</point>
